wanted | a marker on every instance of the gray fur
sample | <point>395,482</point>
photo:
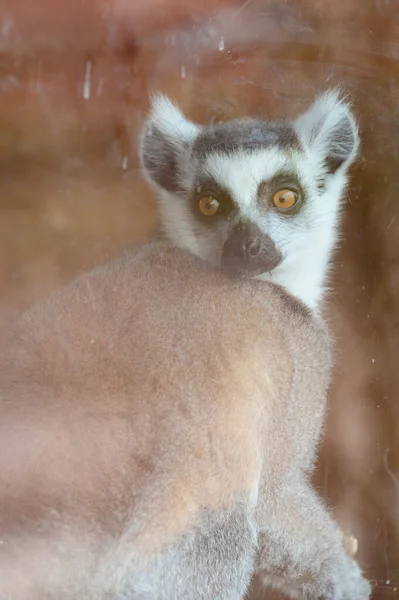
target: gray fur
<point>215,559</point>
<point>244,134</point>
<point>161,158</point>
<point>159,424</point>
<point>300,548</point>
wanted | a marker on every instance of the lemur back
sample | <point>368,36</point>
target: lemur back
<point>150,402</point>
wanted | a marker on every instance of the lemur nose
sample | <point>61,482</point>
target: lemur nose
<point>249,251</point>
<point>253,247</point>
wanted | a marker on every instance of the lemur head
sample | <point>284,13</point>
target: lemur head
<point>258,198</point>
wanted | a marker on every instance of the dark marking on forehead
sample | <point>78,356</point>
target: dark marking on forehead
<point>245,134</point>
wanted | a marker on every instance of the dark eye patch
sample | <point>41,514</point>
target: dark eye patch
<point>280,181</point>
<point>207,186</point>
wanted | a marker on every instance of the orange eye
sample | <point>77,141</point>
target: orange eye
<point>285,199</point>
<point>209,206</point>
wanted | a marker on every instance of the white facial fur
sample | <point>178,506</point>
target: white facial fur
<point>238,157</point>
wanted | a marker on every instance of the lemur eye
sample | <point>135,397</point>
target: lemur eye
<point>284,200</point>
<point>208,206</point>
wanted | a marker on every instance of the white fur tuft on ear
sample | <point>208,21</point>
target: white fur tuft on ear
<point>167,117</point>
<point>328,129</point>
<point>165,142</point>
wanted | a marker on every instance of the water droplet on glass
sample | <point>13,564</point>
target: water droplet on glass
<point>183,71</point>
<point>221,45</point>
<point>124,163</point>
<point>87,81</point>
<point>100,87</point>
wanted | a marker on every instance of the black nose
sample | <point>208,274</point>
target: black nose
<point>242,246</point>
<point>249,251</point>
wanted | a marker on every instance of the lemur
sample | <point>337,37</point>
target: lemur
<point>160,416</point>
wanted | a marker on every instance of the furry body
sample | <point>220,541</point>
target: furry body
<point>153,436</point>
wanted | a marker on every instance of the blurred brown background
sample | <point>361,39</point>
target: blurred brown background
<point>74,83</point>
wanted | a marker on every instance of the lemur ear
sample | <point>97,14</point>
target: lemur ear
<point>166,140</point>
<point>329,129</point>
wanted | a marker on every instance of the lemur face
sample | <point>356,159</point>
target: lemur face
<point>257,198</point>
